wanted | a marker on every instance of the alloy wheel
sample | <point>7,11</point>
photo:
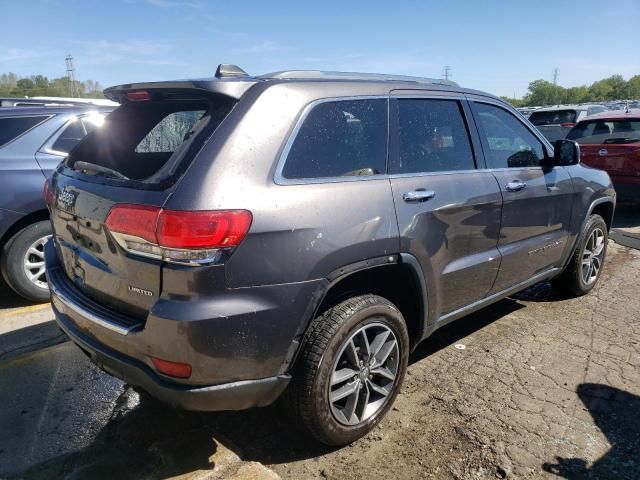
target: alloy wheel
<point>592,256</point>
<point>363,376</point>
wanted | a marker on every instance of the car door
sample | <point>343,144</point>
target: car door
<point>448,210</point>
<point>537,199</point>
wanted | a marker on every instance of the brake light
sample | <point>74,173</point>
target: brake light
<point>135,220</point>
<point>196,237</point>
<point>139,96</point>
<point>208,229</point>
<point>568,124</point>
<point>172,369</point>
<point>47,193</point>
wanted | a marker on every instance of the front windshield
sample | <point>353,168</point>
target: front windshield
<point>604,131</point>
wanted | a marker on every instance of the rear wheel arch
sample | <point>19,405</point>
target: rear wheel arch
<point>25,221</point>
<point>605,208</point>
<point>397,281</point>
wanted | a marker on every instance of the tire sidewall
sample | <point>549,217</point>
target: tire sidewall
<point>13,255</point>
<point>336,432</point>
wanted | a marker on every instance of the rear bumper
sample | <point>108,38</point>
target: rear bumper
<point>239,344</point>
<point>227,396</point>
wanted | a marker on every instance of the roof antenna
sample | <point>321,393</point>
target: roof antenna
<point>227,70</point>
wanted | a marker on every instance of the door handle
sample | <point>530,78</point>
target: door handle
<point>419,195</point>
<point>515,186</point>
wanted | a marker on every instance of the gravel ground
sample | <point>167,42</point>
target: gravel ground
<point>545,387</point>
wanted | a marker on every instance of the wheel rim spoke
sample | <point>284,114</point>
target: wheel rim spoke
<point>384,372</point>
<point>378,389</point>
<point>364,374</point>
<point>352,354</point>
<point>344,391</point>
<point>352,405</point>
<point>342,375</point>
<point>378,342</point>
<point>365,347</point>
<point>33,263</point>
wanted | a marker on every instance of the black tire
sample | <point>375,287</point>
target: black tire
<point>13,257</point>
<point>307,397</point>
<point>572,280</point>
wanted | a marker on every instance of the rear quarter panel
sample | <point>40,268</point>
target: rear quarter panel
<point>300,232</point>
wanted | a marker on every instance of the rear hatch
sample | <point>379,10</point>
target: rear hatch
<point>135,158</point>
<point>554,124</point>
<point>612,145</point>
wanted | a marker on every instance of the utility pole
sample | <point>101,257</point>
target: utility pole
<point>446,72</point>
<point>71,76</point>
<point>556,71</point>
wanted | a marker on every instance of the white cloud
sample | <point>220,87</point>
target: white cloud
<point>15,54</point>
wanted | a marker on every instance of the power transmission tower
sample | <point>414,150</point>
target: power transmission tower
<point>71,76</point>
<point>556,71</point>
<point>446,72</point>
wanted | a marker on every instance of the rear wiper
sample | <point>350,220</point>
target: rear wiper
<point>87,167</point>
<point>621,140</point>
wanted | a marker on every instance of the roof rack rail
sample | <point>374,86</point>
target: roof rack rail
<point>331,75</point>
<point>227,70</point>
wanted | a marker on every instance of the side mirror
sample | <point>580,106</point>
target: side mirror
<point>566,153</point>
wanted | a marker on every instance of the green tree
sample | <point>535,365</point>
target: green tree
<point>542,92</point>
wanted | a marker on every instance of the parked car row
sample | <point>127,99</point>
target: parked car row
<point>226,242</point>
<point>608,135</point>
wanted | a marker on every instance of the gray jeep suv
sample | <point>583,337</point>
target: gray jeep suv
<point>222,243</point>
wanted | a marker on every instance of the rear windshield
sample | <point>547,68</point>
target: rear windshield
<point>152,141</point>
<point>606,131</point>
<point>554,117</point>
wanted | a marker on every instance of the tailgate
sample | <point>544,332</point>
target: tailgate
<point>90,256</point>
<point>619,160</point>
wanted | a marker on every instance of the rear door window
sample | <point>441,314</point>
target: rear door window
<point>341,138</point>
<point>12,127</point>
<point>508,143</point>
<point>432,137</point>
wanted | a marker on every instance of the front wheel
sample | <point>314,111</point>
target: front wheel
<point>350,368</point>
<point>584,269</point>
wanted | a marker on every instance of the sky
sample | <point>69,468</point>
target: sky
<point>498,47</point>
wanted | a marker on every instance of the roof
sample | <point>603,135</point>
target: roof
<point>355,76</point>
<point>52,109</point>
<point>634,113</point>
<point>232,81</point>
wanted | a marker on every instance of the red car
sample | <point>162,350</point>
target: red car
<point>610,141</point>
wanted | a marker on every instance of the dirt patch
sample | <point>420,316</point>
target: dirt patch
<point>545,387</point>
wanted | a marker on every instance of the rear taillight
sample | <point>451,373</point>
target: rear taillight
<point>196,237</point>
<point>568,124</point>
<point>47,193</point>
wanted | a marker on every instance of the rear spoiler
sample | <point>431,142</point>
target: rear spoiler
<point>234,87</point>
